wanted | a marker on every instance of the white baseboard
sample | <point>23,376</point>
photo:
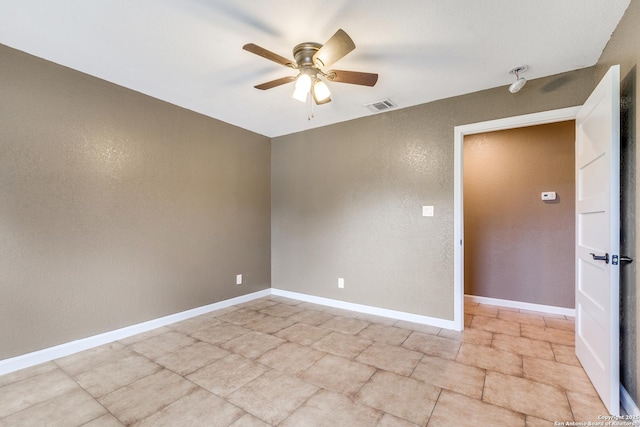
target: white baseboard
<point>51,353</point>
<point>551,309</point>
<point>628,404</point>
<point>393,314</point>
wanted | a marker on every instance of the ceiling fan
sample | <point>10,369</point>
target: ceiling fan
<point>310,60</point>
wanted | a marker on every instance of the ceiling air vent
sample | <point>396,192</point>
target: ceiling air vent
<point>385,104</point>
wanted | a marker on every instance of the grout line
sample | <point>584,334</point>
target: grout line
<point>434,407</point>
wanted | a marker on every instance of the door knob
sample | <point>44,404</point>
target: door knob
<point>626,259</point>
<point>604,257</point>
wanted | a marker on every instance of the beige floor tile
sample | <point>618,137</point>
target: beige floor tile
<point>281,310</point>
<point>106,420</point>
<point>160,345</point>
<point>142,398</point>
<point>191,358</point>
<point>242,316</point>
<point>89,359</point>
<point>473,336</point>
<point>26,373</point>
<point>311,317</point>
<point>522,345</point>
<point>340,312</point>
<point>565,354</point>
<point>499,307</point>
<point>342,345</point>
<point>248,420</point>
<point>526,396</point>
<point>257,304</point>
<point>379,320</point>
<point>490,358</point>
<point>338,374</point>
<point>303,334</point>
<point>73,408</point>
<point>223,311</point>
<point>481,310</point>
<point>418,327</point>
<point>385,334</point>
<point>194,324</point>
<point>586,408</point>
<point>273,396</point>
<point>284,300</point>
<point>545,315</point>
<point>403,397</point>
<point>467,320</point>
<point>559,374</point>
<point>345,325</point>
<point>226,375</point>
<point>450,375</point>
<point>219,334</point>
<point>539,422</point>
<point>389,420</point>
<point>390,358</point>
<point>252,345</point>
<point>432,345</point>
<point>527,318</point>
<point>563,324</point>
<point>145,335</point>
<point>291,357</point>
<point>555,336</point>
<point>309,306</point>
<point>495,325</point>
<point>107,378</point>
<point>200,408</point>
<point>456,410</point>
<point>330,409</point>
<point>270,324</point>
<point>334,368</point>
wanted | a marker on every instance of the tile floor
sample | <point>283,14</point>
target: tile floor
<point>275,361</point>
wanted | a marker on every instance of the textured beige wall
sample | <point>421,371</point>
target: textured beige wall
<point>116,208</point>
<point>518,247</point>
<point>347,198</point>
<point>624,49</point>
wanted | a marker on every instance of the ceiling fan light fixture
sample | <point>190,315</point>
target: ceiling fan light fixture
<point>321,92</point>
<point>303,86</point>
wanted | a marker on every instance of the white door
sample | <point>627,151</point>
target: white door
<point>598,236</point>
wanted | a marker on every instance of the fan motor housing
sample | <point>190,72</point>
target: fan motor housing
<point>303,53</point>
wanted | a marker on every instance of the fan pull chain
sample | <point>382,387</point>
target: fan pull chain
<point>309,107</point>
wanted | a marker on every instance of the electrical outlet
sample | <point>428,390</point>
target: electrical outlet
<point>340,282</point>
<point>238,279</point>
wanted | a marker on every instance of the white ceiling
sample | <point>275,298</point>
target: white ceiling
<point>189,52</point>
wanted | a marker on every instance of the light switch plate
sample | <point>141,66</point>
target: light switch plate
<point>427,211</point>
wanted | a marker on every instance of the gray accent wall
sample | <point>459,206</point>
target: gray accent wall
<point>347,199</point>
<point>117,208</point>
<point>623,48</point>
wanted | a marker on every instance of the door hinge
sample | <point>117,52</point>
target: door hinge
<point>614,259</point>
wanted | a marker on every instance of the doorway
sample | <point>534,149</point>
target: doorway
<point>519,216</point>
<point>553,116</point>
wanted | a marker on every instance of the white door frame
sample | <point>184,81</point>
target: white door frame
<point>545,117</point>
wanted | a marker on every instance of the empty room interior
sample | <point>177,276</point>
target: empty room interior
<point>183,242</point>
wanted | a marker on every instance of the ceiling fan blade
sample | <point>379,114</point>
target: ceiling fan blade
<point>352,77</point>
<point>334,49</point>
<point>274,83</point>
<point>260,51</point>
